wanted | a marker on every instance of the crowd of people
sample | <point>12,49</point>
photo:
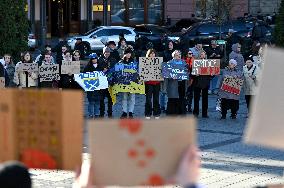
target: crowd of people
<point>171,96</point>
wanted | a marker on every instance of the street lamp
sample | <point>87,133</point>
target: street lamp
<point>43,22</point>
<point>105,9</point>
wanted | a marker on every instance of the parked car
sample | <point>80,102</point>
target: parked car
<point>95,39</point>
<point>155,34</point>
<point>207,31</point>
<point>182,23</point>
<point>32,42</point>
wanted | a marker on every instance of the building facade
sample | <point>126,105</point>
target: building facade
<point>67,17</point>
<point>265,7</point>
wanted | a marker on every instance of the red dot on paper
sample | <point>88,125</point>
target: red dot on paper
<point>141,163</point>
<point>150,153</point>
<point>132,153</point>
<point>140,143</point>
<point>134,126</point>
<point>156,180</point>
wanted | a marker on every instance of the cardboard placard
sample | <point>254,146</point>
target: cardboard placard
<point>28,67</point>
<point>124,73</point>
<point>150,68</point>
<point>232,85</point>
<point>70,67</point>
<point>265,125</point>
<point>91,81</point>
<point>49,73</point>
<point>138,152</point>
<point>41,128</point>
<point>2,82</point>
<point>206,67</point>
<point>176,70</point>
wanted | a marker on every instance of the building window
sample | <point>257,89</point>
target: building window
<point>132,12</point>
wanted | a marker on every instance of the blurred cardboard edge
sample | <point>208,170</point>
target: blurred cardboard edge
<point>259,128</point>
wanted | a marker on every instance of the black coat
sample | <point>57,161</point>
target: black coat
<point>115,55</point>
<point>202,81</point>
<point>3,73</point>
<point>216,50</point>
<point>104,63</point>
<point>168,55</point>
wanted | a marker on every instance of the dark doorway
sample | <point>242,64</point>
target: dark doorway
<point>63,17</point>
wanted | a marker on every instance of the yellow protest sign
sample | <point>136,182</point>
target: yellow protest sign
<point>133,87</point>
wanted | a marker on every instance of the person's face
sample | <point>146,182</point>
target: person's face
<point>76,56</point>
<point>231,65</point>
<point>111,46</point>
<point>123,43</point>
<point>239,48</point>
<point>68,56</point>
<point>63,49</point>
<point>214,45</point>
<point>202,55</point>
<point>199,46</point>
<point>94,61</point>
<point>7,59</point>
<point>107,54</point>
<point>47,58</point>
<point>27,57</point>
<point>171,46</point>
<point>48,49</point>
<point>152,54</point>
<point>189,54</point>
<point>249,63</point>
<point>128,55</point>
<point>177,56</point>
<point>78,41</point>
<point>260,51</point>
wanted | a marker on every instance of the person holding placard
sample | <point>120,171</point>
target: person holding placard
<point>172,90</point>
<point>93,96</point>
<point>250,71</point>
<point>105,63</point>
<point>10,68</point>
<point>201,83</point>
<point>152,90</point>
<point>167,56</point>
<point>24,78</point>
<point>67,80</point>
<point>4,79</point>
<point>229,100</point>
<point>128,99</point>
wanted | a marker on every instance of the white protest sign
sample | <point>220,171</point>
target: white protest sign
<point>91,81</point>
<point>70,67</point>
<point>150,68</point>
<point>49,73</point>
<point>206,67</point>
<point>28,67</point>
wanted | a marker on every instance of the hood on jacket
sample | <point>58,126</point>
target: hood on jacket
<point>235,47</point>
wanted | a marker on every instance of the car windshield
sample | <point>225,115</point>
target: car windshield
<point>91,31</point>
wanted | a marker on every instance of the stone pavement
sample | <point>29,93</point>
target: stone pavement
<point>226,160</point>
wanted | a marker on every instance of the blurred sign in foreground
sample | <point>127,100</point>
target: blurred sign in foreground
<point>41,128</point>
<point>138,152</point>
<point>265,125</point>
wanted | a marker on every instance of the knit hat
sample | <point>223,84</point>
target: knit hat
<point>127,50</point>
<point>111,43</point>
<point>93,56</point>
<point>232,61</point>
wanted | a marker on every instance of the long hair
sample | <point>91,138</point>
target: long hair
<point>150,51</point>
<point>23,57</point>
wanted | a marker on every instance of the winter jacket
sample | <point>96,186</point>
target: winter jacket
<point>106,63</point>
<point>228,72</point>
<point>3,73</point>
<point>121,52</point>
<point>251,77</point>
<point>10,68</point>
<point>114,54</point>
<point>20,77</point>
<point>92,96</point>
<point>171,88</point>
<point>216,50</point>
<point>237,56</point>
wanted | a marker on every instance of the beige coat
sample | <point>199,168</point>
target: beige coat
<point>20,78</point>
<point>251,78</point>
